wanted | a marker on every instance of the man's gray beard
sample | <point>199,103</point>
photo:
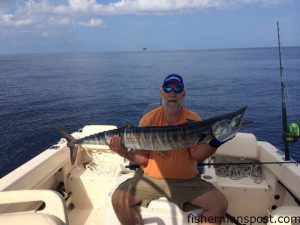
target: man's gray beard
<point>170,109</point>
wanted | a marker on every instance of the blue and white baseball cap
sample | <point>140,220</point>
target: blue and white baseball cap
<point>173,78</point>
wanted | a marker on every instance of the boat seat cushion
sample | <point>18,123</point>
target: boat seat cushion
<point>29,219</point>
<point>54,212</point>
<point>243,145</point>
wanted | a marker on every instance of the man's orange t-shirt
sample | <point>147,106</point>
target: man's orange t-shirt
<point>174,164</point>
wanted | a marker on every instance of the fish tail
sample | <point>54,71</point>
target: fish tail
<point>70,143</point>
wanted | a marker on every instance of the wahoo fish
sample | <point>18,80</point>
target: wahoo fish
<point>165,138</point>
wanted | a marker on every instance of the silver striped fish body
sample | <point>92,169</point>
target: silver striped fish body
<point>222,128</point>
<point>164,138</point>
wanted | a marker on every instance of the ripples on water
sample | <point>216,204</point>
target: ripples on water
<point>41,92</point>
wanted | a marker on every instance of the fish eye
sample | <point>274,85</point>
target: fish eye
<point>233,123</point>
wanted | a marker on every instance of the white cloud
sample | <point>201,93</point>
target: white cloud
<point>23,22</point>
<point>9,20</point>
<point>92,23</point>
<point>6,19</point>
<point>41,13</point>
<point>144,6</point>
<point>157,6</point>
<point>82,5</point>
<point>60,21</point>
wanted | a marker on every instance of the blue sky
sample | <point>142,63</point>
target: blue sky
<point>129,25</point>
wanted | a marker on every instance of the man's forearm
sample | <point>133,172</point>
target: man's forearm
<point>202,152</point>
<point>139,157</point>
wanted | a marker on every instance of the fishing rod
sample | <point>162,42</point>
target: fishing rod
<point>291,133</point>
<point>133,166</point>
<point>283,101</point>
<point>249,163</point>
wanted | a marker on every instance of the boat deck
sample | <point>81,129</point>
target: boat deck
<point>86,216</point>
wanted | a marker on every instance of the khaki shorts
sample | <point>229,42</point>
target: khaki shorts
<point>180,192</point>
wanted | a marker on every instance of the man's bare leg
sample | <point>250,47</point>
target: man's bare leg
<point>125,209</point>
<point>214,205</point>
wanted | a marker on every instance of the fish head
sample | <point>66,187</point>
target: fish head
<point>227,128</point>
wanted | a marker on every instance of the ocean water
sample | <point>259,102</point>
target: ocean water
<point>40,92</point>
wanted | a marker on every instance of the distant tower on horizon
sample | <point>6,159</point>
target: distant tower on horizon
<point>144,49</point>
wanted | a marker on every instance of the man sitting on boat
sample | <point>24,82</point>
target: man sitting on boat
<point>170,174</point>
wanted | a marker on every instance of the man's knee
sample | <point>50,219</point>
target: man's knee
<point>212,201</point>
<point>121,198</point>
<point>117,198</point>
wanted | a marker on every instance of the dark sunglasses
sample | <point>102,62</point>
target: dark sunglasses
<point>176,90</point>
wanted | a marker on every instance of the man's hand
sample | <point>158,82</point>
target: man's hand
<point>139,157</point>
<point>203,151</point>
<point>216,144</point>
<point>115,144</point>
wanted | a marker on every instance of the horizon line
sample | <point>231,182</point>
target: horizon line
<point>142,50</point>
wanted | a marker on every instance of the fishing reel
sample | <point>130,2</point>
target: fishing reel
<point>293,133</point>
